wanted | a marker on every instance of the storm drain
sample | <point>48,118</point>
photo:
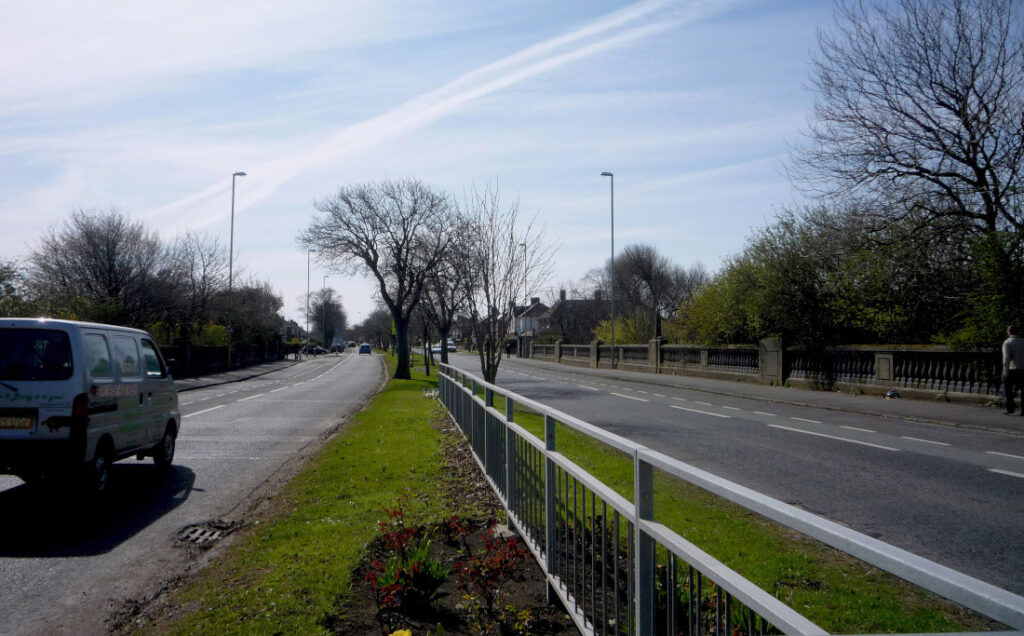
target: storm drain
<point>206,534</point>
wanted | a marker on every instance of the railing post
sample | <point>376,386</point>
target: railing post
<point>643,496</point>
<point>550,516</point>
<point>558,351</point>
<point>595,352</point>
<point>510,439</point>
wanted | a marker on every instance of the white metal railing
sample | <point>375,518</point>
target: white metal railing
<point>617,570</point>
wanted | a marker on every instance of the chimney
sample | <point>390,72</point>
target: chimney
<point>535,300</point>
<point>561,295</point>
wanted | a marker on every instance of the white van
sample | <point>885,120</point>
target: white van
<point>76,397</point>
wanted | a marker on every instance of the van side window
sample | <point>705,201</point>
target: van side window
<point>99,358</point>
<point>126,353</point>
<point>154,365</point>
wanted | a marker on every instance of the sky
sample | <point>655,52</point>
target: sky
<point>150,107</point>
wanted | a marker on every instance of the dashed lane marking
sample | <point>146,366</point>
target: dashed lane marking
<point>1004,454</point>
<point>589,388</point>
<point>765,413</point>
<point>1006,472</point>
<point>926,441</point>
<point>630,397</point>
<point>251,397</point>
<point>732,408</point>
<point>683,408</point>
<point>803,419</point>
<point>841,439</point>
<point>857,428</point>
<point>281,389</point>
<point>203,411</point>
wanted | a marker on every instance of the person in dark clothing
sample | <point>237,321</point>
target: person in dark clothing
<point>1013,369</point>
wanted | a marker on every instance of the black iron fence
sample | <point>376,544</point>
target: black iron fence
<point>934,369</point>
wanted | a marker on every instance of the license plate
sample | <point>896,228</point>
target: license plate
<point>17,421</point>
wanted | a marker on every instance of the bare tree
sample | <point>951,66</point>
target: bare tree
<point>396,232</point>
<point>446,294</point>
<point>13,300</point>
<point>498,264</point>
<point>200,271</point>
<point>101,266</point>
<point>920,108</point>
<point>326,315</point>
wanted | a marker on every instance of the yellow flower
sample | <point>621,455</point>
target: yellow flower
<point>402,632</point>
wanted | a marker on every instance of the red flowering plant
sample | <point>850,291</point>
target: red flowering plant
<point>482,578</point>
<point>407,576</point>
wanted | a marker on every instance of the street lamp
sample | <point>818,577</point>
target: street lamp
<point>323,309</point>
<point>526,303</point>
<point>608,174</point>
<point>308,252</point>
<point>231,263</point>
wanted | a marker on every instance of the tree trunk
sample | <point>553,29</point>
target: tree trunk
<point>444,344</point>
<point>402,370</point>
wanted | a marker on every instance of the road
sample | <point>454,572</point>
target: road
<point>953,495</point>
<point>65,566</point>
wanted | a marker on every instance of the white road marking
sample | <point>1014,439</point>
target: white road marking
<point>857,428</point>
<point>926,441</point>
<point>801,419</point>
<point>220,395</point>
<point>731,408</point>
<point>630,397</point>
<point>680,399</point>
<point>203,411</point>
<point>658,395</point>
<point>281,389</point>
<point>1006,472</point>
<point>589,388</point>
<point>765,413</point>
<point>841,439</point>
<point>1004,454</point>
<point>639,391</point>
<point>702,403</point>
<point>251,397</point>
<point>683,408</point>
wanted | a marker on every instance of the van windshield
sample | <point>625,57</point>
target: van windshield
<point>34,354</point>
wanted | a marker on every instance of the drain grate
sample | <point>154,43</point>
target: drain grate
<point>206,534</point>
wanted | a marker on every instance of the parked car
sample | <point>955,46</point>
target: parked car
<point>365,348</point>
<point>76,397</point>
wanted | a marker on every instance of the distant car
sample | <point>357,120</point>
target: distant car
<point>351,343</point>
<point>338,348</point>
<point>436,348</point>
<point>451,345</point>
<point>365,348</point>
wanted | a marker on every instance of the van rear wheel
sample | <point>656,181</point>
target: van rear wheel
<point>163,454</point>
<point>97,472</point>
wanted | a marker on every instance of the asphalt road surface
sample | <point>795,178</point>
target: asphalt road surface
<point>65,565</point>
<point>952,495</point>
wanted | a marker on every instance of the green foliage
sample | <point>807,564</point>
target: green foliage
<point>822,277</point>
<point>998,298</point>
<point>628,329</point>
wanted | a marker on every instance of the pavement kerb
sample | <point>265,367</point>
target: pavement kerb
<point>190,384</point>
<point>926,411</point>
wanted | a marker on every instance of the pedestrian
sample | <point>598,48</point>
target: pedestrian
<point>1013,368</point>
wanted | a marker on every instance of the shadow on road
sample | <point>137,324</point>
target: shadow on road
<point>46,522</point>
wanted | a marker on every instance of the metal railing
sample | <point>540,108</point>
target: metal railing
<point>616,569</point>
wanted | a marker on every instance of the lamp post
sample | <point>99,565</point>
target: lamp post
<point>609,174</point>
<point>231,263</point>
<point>323,309</point>
<point>526,303</point>
<point>308,252</point>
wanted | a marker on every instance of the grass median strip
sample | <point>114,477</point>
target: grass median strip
<point>288,574</point>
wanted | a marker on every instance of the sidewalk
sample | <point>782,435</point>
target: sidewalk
<point>989,418</point>
<point>235,375</point>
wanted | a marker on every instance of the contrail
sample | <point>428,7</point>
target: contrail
<point>625,26</point>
